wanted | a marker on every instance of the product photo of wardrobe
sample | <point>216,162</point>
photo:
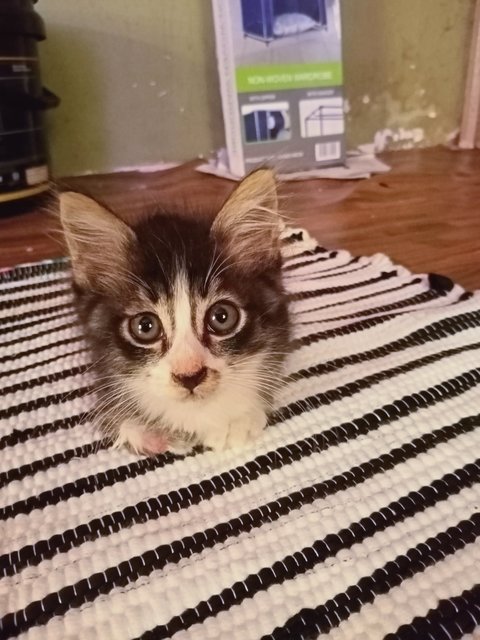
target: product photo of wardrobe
<point>267,20</point>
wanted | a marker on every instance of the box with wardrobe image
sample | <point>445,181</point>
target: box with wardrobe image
<point>280,68</point>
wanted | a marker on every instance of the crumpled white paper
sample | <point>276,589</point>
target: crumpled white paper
<point>360,163</point>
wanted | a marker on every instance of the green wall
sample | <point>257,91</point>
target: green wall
<point>405,67</point>
<point>138,79</point>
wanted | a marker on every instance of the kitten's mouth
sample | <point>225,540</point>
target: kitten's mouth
<point>195,396</point>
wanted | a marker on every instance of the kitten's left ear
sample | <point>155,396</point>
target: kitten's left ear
<point>248,224</point>
<point>97,240</point>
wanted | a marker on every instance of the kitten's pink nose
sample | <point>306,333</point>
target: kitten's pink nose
<point>190,380</point>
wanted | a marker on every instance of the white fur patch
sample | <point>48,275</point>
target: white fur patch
<point>187,354</point>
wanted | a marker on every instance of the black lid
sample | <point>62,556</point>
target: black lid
<point>18,17</point>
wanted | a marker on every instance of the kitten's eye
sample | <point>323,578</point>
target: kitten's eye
<point>222,318</point>
<point>145,327</point>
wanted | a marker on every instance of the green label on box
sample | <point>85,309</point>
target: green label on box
<point>270,77</point>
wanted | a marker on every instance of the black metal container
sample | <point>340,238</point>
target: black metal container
<point>23,145</point>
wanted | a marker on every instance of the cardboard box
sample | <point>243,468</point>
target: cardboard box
<point>281,83</point>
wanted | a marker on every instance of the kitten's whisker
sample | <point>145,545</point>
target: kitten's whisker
<point>221,268</point>
<point>111,419</point>
<point>104,399</point>
<point>256,387</point>
<point>115,394</point>
<point>256,381</point>
<point>115,416</point>
<point>213,265</point>
<point>159,261</point>
<point>267,375</point>
<point>95,362</point>
<point>114,379</point>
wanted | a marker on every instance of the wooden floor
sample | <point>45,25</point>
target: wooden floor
<point>424,214</point>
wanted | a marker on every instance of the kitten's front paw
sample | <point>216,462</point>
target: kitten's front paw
<point>153,443</point>
<point>246,429</point>
<point>156,442</point>
<point>240,432</point>
<point>180,447</point>
<point>149,442</point>
<point>133,435</point>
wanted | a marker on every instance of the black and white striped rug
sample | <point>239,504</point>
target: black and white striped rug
<point>356,516</point>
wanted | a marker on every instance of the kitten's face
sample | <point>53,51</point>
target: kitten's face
<point>185,323</point>
<point>185,319</point>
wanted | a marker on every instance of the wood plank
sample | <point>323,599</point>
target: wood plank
<point>425,213</point>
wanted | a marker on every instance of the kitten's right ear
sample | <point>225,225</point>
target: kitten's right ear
<point>97,240</point>
<point>249,225</point>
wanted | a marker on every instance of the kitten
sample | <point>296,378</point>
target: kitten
<point>187,320</point>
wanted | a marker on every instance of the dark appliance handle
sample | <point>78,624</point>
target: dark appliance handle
<point>21,100</point>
